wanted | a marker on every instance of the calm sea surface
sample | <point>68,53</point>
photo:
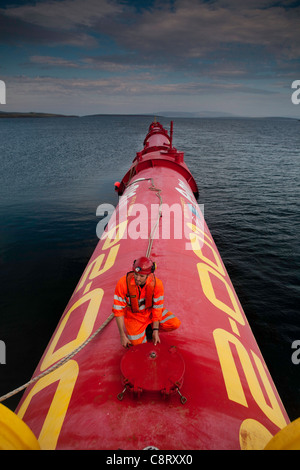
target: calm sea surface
<point>56,171</point>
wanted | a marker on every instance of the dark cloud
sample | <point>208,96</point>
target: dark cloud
<point>194,28</point>
<point>63,15</point>
<point>179,33</point>
<point>164,48</point>
<point>64,22</point>
<point>16,31</point>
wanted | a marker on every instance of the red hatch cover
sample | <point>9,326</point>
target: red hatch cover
<point>152,368</point>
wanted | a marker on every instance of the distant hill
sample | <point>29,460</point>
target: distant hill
<point>168,114</point>
<point>205,114</point>
<point>4,114</point>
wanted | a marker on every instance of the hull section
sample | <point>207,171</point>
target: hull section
<point>231,400</point>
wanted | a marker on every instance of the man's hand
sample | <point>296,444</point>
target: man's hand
<point>125,341</point>
<point>155,337</point>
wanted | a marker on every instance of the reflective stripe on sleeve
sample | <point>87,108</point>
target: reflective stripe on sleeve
<point>120,299</point>
<point>158,298</point>
<point>119,307</point>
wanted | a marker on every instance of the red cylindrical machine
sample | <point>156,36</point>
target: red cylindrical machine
<point>206,386</point>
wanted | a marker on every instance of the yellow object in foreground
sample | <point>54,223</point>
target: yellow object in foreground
<point>14,433</point>
<point>286,439</point>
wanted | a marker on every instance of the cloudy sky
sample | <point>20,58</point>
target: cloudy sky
<point>148,56</point>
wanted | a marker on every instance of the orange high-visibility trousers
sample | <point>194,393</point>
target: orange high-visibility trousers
<point>136,329</point>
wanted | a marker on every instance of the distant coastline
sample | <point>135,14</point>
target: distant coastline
<point>31,115</point>
<point>166,114</point>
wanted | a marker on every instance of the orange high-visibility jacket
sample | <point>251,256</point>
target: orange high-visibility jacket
<point>145,313</point>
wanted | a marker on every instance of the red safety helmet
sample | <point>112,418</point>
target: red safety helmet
<point>143,265</point>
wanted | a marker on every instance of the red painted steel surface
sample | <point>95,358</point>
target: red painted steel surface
<point>150,368</point>
<point>232,402</point>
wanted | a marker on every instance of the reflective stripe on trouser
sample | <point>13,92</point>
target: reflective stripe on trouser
<point>169,321</point>
<point>136,331</point>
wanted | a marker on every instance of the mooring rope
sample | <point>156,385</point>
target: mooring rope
<point>157,192</point>
<point>106,322</point>
<point>59,363</point>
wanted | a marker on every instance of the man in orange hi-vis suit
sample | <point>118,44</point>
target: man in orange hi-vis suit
<point>139,302</point>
